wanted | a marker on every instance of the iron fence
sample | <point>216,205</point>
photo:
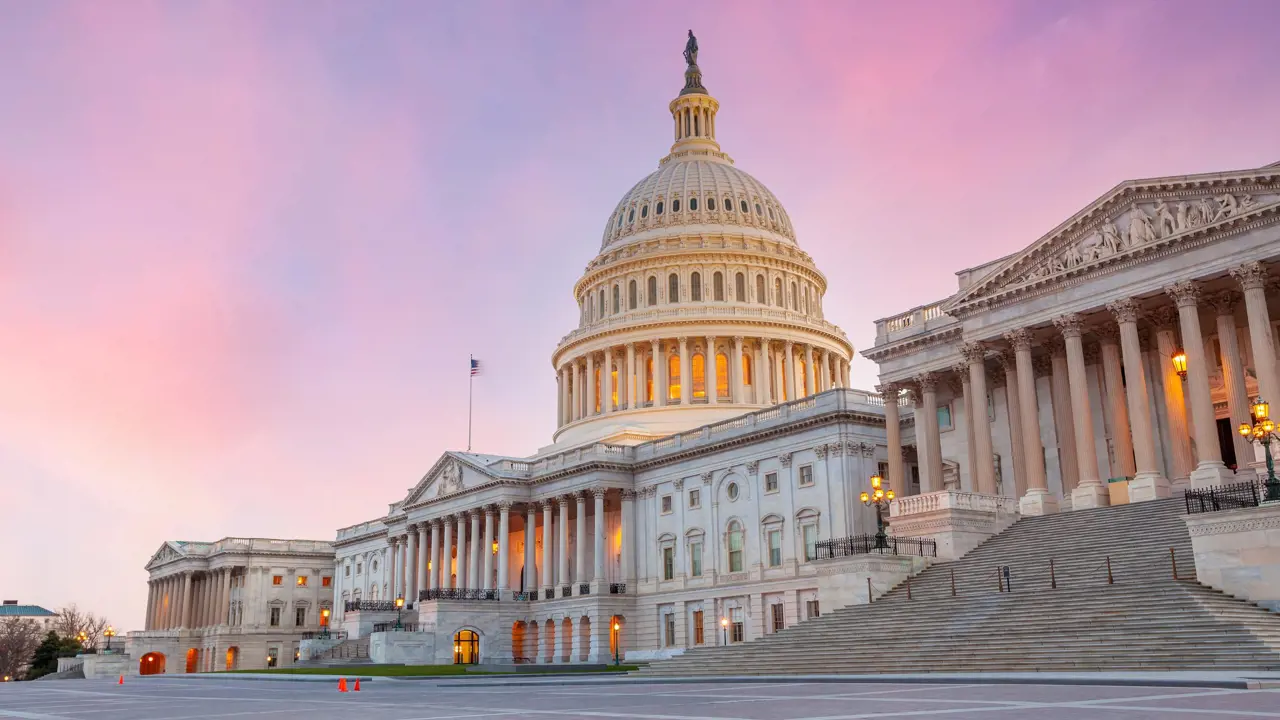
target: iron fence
<point>389,626</point>
<point>458,594</point>
<point>1226,497</point>
<point>617,588</point>
<point>370,606</point>
<point>870,544</point>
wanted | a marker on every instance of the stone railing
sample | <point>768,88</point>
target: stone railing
<point>914,320</point>
<point>569,458</point>
<point>951,500</point>
<point>269,545</point>
<point>711,312</point>
<point>364,528</point>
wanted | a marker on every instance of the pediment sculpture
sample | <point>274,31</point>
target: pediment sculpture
<point>450,479</point>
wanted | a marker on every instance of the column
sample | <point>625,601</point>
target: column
<point>1238,405</point>
<point>224,609</point>
<point>405,568</point>
<point>777,367</point>
<point>810,386</point>
<point>1209,468</point>
<point>530,541</point>
<point>1060,385</point>
<point>486,550</point>
<point>1147,483</point>
<point>446,555</point>
<point>844,373</point>
<point>460,567</point>
<point>422,574</point>
<point>1037,500</point>
<point>1117,408</point>
<point>548,568</point>
<point>1013,408</point>
<point>789,369</point>
<point>477,550</point>
<point>433,572</point>
<point>764,374</point>
<point>893,434</point>
<point>824,362</point>
<point>579,392</point>
<point>598,570</point>
<point>629,379</point>
<point>1164,319</point>
<point>659,374</point>
<point>965,391</point>
<point>641,378</point>
<point>391,571</point>
<point>606,382</point>
<point>566,415</point>
<point>738,388</point>
<point>711,374</point>
<point>975,354</point>
<point>931,480</point>
<point>1253,278</point>
<point>411,557</point>
<point>562,546</point>
<point>628,535</point>
<point>187,599</point>
<point>504,545</point>
<point>1090,492</point>
<point>591,385</point>
<point>151,605</point>
<point>580,539</point>
<point>686,373</point>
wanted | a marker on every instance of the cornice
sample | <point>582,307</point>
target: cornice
<point>913,343</point>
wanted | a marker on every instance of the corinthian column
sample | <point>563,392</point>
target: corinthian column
<point>893,437</point>
<point>1148,483</point>
<point>686,373</point>
<point>1014,411</point>
<point>789,370</point>
<point>421,582</point>
<point>1037,500</point>
<point>975,355</point>
<point>1224,303</point>
<point>629,379</point>
<point>711,372</point>
<point>445,566</point>
<point>1209,468</point>
<point>1165,320</point>
<point>433,572</point>
<point>562,551</point>
<point>548,566</point>
<point>478,550</point>
<point>764,374</point>
<point>504,544</point>
<point>598,570</point>
<point>1118,410</point>
<point>530,550</point>
<point>932,480</point>
<point>580,538</point>
<point>809,378</point>
<point>1090,492</point>
<point>464,580</point>
<point>735,372</point>
<point>659,374</point>
<point>1253,279</point>
<point>606,381</point>
<point>1064,426</point>
<point>486,550</point>
<point>591,384</point>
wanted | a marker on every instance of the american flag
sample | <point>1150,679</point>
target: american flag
<point>475,367</point>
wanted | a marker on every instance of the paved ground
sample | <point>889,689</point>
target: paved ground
<point>179,699</point>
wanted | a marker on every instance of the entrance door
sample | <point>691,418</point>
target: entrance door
<point>466,648</point>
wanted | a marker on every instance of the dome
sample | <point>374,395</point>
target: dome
<point>697,191</point>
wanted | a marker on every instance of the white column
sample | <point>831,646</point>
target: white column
<point>824,362</point>
<point>711,375</point>
<point>530,545</point>
<point>686,373</point>
<point>1253,279</point>
<point>464,563</point>
<point>1013,409</point>
<point>628,535</point>
<point>1090,492</point>
<point>433,571</point>
<point>566,416</point>
<point>893,437</point>
<point>187,599</point>
<point>486,550</point>
<point>1115,396</point>
<point>562,549</point>
<point>931,480</point>
<point>224,609</point>
<point>1209,468</point>
<point>764,373</point>
<point>1065,429</point>
<point>975,354</point>
<point>1238,405</point>
<point>504,544</point>
<point>395,565</point>
<point>411,587</point>
<point>789,370</point>
<point>478,550</point>
<point>969,480</point>
<point>810,379</point>
<point>598,570</point>
<point>1037,500</point>
<point>580,538</point>
<point>629,379</point>
<point>548,566</point>
<point>579,392</point>
<point>423,574</point>
<point>606,382</point>
<point>1147,483</point>
<point>445,566</point>
<point>591,384</point>
<point>405,568</point>
<point>844,373</point>
<point>1165,319</point>
<point>737,388</point>
<point>659,374</point>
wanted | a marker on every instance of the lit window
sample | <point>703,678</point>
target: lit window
<point>771,482</point>
<point>648,379</point>
<point>746,368</point>
<point>277,579</point>
<point>722,375</point>
<point>735,547</point>
<point>302,581</point>
<point>699,375</point>
<point>668,563</point>
<point>806,475</point>
<point>326,582</point>
<point>673,377</point>
<point>666,504</point>
<point>775,547</point>
<point>695,558</point>
<point>695,498</point>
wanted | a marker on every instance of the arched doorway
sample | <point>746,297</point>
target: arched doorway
<point>233,658</point>
<point>616,648</point>
<point>193,660</point>
<point>151,664</point>
<point>517,641</point>
<point>466,648</point>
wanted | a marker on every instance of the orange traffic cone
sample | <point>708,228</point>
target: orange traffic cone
<point>357,687</point>
<point>342,685</point>
<point>121,680</point>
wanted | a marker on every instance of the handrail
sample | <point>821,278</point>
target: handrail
<point>871,544</point>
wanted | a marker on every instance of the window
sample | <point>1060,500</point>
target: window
<point>742,205</point>
<point>359,568</point>
<point>770,213</point>
<point>669,629</point>
<point>711,203</point>
<point>738,633</point>
<point>775,547</point>
<point>795,297</point>
<point>811,609</point>
<point>673,377</point>
<point>666,504</point>
<point>722,375</point>
<point>652,298</point>
<point>277,579</point>
<point>675,205</point>
<point>631,295</point>
<point>944,418</point>
<point>728,203</point>
<point>693,203</point>
<point>658,209</point>
<point>740,287</point>
<point>644,211</point>
<point>631,216</point>
<point>777,292</point>
<point>668,563</point>
<point>619,221</point>
<point>717,287</point>
<point>695,498</point>
<point>758,209</point>
<point>732,491</point>
<point>673,288</point>
<point>810,533</point>
<point>695,558</point>
<point>806,475</point>
<point>299,617</point>
<point>699,375</point>
<point>771,482</point>
<point>326,582</point>
<point>302,581</point>
<point>735,547</point>
<point>346,571</point>
<point>648,379</point>
<point>375,566</point>
<point>275,617</point>
<point>602,307</point>
<point>777,613</point>
<point>695,287</point>
<point>697,628</point>
<point>762,297</point>
<point>746,368</point>
<point>617,303</point>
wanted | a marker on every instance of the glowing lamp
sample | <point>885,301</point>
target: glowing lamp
<point>495,547</point>
<point>399,602</point>
<point>1268,426</point>
<point>724,622</point>
<point>324,612</point>
<point>890,495</point>
<point>1245,429</point>
<point>1180,363</point>
<point>616,626</point>
<point>864,497</point>
<point>1261,410</point>
<point>875,481</point>
<point>879,493</point>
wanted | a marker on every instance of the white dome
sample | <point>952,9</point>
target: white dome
<point>694,191</point>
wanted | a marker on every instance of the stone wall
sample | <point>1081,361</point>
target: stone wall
<point>1238,552</point>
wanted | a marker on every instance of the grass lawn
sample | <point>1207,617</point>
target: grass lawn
<point>414,670</point>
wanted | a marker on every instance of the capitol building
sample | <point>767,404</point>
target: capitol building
<point>703,482</point>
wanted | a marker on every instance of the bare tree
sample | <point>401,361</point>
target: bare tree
<point>72,621</point>
<point>19,638</point>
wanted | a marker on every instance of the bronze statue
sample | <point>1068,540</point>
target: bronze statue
<point>691,51</point>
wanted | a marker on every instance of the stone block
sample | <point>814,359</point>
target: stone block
<point>957,521</point>
<point>1238,552</point>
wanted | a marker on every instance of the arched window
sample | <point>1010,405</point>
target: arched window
<point>675,205</point>
<point>631,216</point>
<point>742,205</point>
<point>652,298</point>
<point>659,208</point>
<point>717,285</point>
<point>673,288</point>
<point>695,287</point>
<point>740,287</point>
<point>617,300</point>
<point>711,203</point>
<point>770,213</point>
<point>795,297</point>
<point>631,295</point>
<point>777,293</point>
<point>699,375</point>
<point>762,297</point>
<point>644,211</point>
<point>802,371</point>
<point>747,379</point>
<point>673,377</point>
<point>619,219</point>
<point>693,203</point>
<point>604,309</point>
<point>722,376</point>
<point>758,212</point>
<point>735,546</point>
<point>728,203</point>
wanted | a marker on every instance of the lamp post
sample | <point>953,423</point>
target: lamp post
<point>617,643</point>
<point>724,629</point>
<point>324,623</point>
<point>83,639</point>
<point>1262,432</point>
<point>399,607</point>
<point>109,633</point>
<point>879,497</point>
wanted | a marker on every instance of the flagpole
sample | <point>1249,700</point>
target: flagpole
<point>471,379</point>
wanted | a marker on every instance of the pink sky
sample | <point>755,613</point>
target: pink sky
<point>246,248</point>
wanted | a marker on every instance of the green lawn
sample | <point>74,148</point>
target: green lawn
<point>415,670</point>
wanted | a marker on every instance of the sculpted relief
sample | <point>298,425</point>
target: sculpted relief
<point>1145,223</point>
<point>450,480</point>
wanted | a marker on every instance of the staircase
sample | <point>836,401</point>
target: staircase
<point>346,653</point>
<point>1145,620</point>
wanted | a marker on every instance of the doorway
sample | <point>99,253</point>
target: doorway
<point>466,648</point>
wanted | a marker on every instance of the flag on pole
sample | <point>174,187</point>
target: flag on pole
<point>475,367</point>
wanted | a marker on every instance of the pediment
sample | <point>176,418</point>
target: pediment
<point>1134,219</point>
<point>450,475</point>
<point>167,553</point>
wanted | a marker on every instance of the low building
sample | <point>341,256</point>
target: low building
<point>238,603</point>
<point>36,614</point>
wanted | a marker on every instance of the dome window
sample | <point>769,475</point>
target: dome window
<point>742,205</point>
<point>619,220</point>
<point>631,216</point>
<point>728,204</point>
<point>693,203</point>
<point>658,209</point>
<point>758,211</point>
<point>644,211</point>
<point>711,203</point>
<point>675,205</point>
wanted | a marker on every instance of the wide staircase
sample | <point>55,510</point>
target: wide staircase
<point>1109,602</point>
<point>348,652</point>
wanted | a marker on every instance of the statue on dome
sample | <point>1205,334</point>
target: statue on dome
<point>691,51</point>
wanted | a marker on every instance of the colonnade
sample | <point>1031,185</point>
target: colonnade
<point>189,600</point>
<point>626,377</point>
<point>1128,411</point>
<point>440,553</point>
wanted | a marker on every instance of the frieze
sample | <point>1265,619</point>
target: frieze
<point>1235,526</point>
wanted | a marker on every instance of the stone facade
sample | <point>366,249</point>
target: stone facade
<point>1238,552</point>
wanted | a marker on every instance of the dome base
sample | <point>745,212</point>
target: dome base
<point>632,427</point>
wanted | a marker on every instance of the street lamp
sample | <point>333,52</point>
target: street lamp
<point>1179,361</point>
<point>1262,432</point>
<point>324,623</point>
<point>399,607</point>
<point>617,643</point>
<point>724,629</point>
<point>109,633</point>
<point>82,638</point>
<point>879,497</point>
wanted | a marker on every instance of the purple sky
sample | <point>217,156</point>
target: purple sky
<point>246,248</point>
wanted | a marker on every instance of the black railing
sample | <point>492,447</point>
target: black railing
<point>549,594</point>
<point>389,626</point>
<point>371,606</point>
<point>870,544</point>
<point>526,595</point>
<point>566,591</point>
<point>584,588</point>
<point>617,588</point>
<point>1226,497</point>
<point>458,594</point>
<point>312,635</point>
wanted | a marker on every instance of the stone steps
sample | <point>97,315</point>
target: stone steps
<point>1145,620</point>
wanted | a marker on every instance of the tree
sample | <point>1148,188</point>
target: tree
<point>72,621</point>
<point>45,658</point>
<point>19,638</point>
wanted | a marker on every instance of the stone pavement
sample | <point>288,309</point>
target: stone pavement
<point>190,699</point>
